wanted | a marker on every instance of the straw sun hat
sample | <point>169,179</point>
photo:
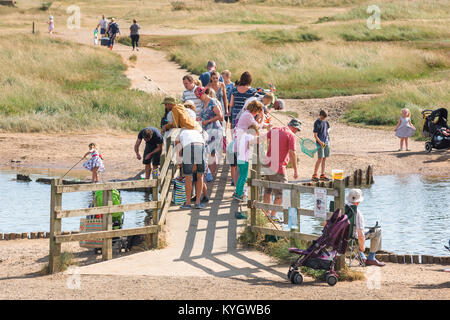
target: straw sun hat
<point>355,195</point>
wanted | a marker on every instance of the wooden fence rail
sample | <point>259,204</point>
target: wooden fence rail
<point>161,199</point>
<point>336,190</point>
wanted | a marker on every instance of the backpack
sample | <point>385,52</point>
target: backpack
<point>114,28</point>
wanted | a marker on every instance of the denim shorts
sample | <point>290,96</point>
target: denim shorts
<point>193,154</point>
<point>323,152</point>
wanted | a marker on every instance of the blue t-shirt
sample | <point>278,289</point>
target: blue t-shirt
<point>205,78</point>
<point>155,139</point>
<point>321,128</point>
<point>229,89</point>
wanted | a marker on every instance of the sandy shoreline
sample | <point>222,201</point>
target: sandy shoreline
<point>351,147</point>
<point>22,260</point>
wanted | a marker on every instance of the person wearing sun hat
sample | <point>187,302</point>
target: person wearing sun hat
<point>180,116</point>
<point>354,198</point>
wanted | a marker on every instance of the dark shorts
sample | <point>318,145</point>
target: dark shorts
<point>278,177</point>
<point>102,30</point>
<point>155,158</point>
<point>193,154</point>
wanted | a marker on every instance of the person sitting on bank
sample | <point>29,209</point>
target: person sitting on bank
<point>354,198</point>
<point>180,116</point>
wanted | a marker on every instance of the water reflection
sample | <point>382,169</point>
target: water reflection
<point>413,212</point>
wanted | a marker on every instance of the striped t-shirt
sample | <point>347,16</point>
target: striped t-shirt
<point>190,95</point>
<point>239,101</point>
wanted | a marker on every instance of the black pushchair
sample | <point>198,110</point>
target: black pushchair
<point>436,128</point>
<point>323,252</point>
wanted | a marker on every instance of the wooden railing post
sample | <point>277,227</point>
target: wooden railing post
<point>254,174</point>
<point>107,225</point>
<point>55,228</point>
<point>154,239</point>
<point>295,203</point>
<point>339,203</point>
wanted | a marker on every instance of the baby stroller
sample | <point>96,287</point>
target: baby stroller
<point>434,126</point>
<point>322,254</point>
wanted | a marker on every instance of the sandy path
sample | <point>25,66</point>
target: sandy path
<point>21,261</point>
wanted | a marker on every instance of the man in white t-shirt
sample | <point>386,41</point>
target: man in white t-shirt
<point>189,94</point>
<point>103,24</point>
<point>193,155</point>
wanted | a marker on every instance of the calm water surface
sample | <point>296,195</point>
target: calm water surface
<point>413,211</point>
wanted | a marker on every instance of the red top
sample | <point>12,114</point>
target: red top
<point>282,140</point>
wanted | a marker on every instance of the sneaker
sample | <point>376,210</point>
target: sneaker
<point>199,206</point>
<point>240,215</point>
<point>204,200</point>
<point>186,206</point>
<point>314,178</point>
<point>324,178</point>
<point>237,197</point>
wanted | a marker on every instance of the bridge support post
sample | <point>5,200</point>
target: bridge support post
<point>55,229</point>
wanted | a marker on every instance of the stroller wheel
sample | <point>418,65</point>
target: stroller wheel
<point>331,279</point>
<point>428,147</point>
<point>289,274</point>
<point>297,278</point>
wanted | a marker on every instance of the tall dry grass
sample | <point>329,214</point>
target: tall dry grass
<point>313,69</point>
<point>53,85</point>
<point>417,96</point>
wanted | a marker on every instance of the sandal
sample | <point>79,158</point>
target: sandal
<point>314,178</point>
<point>324,178</point>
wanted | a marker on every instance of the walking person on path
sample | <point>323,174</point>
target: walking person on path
<point>113,30</point>
<point>103,25</point>
<point>134,35</point>
<point>152,152</point>
<point>226,75</point>
<point>404,128</point>
<point>282,148</point>
<point>51,25</point>
<point>212,118</point>
<point>240,94</point>
<point>95,164</point>
<point>205,76</point>
<point>221,96</point>
<point>189,94</point>
<point>321,134</point>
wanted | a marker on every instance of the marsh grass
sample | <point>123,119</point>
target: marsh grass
<point>312,69</point>
<point>386,110</point>
<point>400,10</point>
<point>79,88</point>
<point>358,32</point>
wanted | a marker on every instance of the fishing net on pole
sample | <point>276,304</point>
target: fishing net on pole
<point>309,147</point>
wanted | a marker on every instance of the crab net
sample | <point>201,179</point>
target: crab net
<point>309,147</point>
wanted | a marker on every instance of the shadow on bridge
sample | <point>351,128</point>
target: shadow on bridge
<point>219,210</point>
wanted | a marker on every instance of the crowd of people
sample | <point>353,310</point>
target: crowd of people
<point>212,108</point>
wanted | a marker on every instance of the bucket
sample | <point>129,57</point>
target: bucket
<point>337,174</point>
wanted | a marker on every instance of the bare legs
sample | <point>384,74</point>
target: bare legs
<point>401,144</point>
<point>320,162</point>
<point>95,175</point>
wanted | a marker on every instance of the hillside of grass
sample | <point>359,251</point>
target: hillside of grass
<point>307,68</point>
<point>396,10</point>
<point>52,85</point>
<point>386,110</point>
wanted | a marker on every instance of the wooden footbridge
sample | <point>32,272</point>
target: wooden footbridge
<point>200,242</point>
